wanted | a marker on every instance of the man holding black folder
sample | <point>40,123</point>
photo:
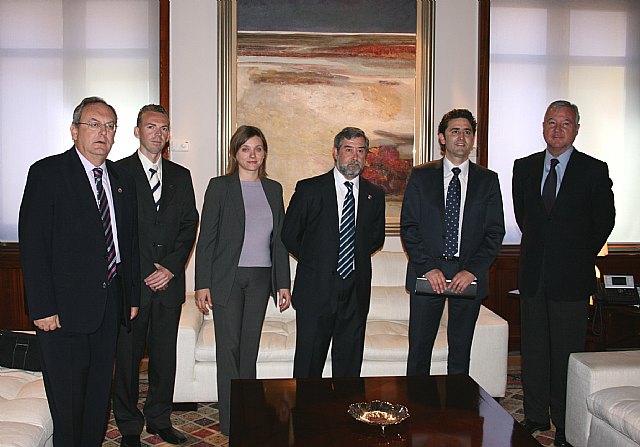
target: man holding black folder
<point>452,226</point>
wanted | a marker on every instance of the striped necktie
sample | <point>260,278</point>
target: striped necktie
<point>105,215</point>
<point>154,182</point>
<point>346,253</point>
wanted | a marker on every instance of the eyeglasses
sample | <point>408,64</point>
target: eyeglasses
<point>94,125</point>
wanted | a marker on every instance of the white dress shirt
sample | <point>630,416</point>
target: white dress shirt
<point>88,167</point>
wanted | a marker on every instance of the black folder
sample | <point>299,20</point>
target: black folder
<point>423,287</point>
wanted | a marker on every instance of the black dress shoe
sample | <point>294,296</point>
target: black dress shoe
<point>130,441</point>
<point>532,426</point>
<point>170,435</point>
<point>560,440</point>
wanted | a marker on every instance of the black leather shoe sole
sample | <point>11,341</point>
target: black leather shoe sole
<point>561,440</point>
<point>532,426</point>
<point>130,441</point>
<point>170,435</point>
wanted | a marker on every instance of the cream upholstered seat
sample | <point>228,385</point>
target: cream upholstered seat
<point>595,417</point>
<point>25,420</point>
<point>386,340</point>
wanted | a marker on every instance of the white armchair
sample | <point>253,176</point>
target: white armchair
<point>598,408</point>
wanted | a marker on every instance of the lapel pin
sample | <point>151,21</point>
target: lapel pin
<point>369,197</point>
<point>120,190</point>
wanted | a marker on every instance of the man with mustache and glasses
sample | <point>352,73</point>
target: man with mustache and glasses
<point>452,225</point>
<point>333,225</point>
<point>168,221</point>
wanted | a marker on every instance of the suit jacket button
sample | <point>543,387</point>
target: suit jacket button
<point>104,285</point>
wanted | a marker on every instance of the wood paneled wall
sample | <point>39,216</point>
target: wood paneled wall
<point>503,277</point>
<point>13,312</point>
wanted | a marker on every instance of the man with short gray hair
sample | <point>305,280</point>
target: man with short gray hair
<point>564,206</point>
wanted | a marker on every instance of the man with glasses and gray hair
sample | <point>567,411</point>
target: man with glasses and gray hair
<point>79,250</point>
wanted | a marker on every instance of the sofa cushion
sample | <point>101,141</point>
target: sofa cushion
<point>25,419</point>
<point>277,342</point>
<point>389,269</point>
<point>619,407</point>
<point>389,341</point>
<point>389,303</point>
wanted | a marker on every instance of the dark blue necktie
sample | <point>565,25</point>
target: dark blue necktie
<point>550,186</point>
<point>346,252</point>
<point>452,215</point>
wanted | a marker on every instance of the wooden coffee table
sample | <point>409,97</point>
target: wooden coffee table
<point>447,411</point>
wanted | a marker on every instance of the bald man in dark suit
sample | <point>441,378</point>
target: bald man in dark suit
<point>79,249</point>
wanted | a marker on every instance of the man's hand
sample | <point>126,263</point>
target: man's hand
<point>284,299</point>
<point>134,313</point>
<point>48,323</point>
<point>203,300</point>
<point>159,280</point>
<point>461,281</point>
<point>437,280</point>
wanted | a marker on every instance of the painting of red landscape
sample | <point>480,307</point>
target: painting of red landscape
<point>301,88</point>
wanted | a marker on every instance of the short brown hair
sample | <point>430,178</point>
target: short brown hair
<point>151,108</point>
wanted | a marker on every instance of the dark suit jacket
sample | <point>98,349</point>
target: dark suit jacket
<point>222,235</point>
<point>62,243</point>
<point>310,233</point>
<point>562,245</point>
<point>422,225</point>
<point>166,235</point>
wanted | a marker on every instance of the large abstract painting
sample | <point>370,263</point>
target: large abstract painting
<point>306,69</point>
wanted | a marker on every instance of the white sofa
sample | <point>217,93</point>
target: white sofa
<point>386,342</point>
<point>25,420</point>
<point>603,399</point>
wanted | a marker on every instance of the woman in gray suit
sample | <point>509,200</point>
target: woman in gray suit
<point>240,259</point>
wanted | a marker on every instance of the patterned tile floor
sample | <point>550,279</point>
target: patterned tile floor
<point>512,402</point>
<point>201,426</point>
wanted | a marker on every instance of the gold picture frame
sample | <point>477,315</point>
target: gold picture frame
<point>423,111</point>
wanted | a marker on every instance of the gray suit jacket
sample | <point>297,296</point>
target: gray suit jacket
<point>222,235</point>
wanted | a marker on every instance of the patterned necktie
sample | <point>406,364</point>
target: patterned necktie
<point>154,182</point>
<point>346,253</point>
<point>550,186</point>
<point>105,215</point>
<point>452,215</point>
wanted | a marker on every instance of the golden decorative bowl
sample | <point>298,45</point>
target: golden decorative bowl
<point>378,413</point>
